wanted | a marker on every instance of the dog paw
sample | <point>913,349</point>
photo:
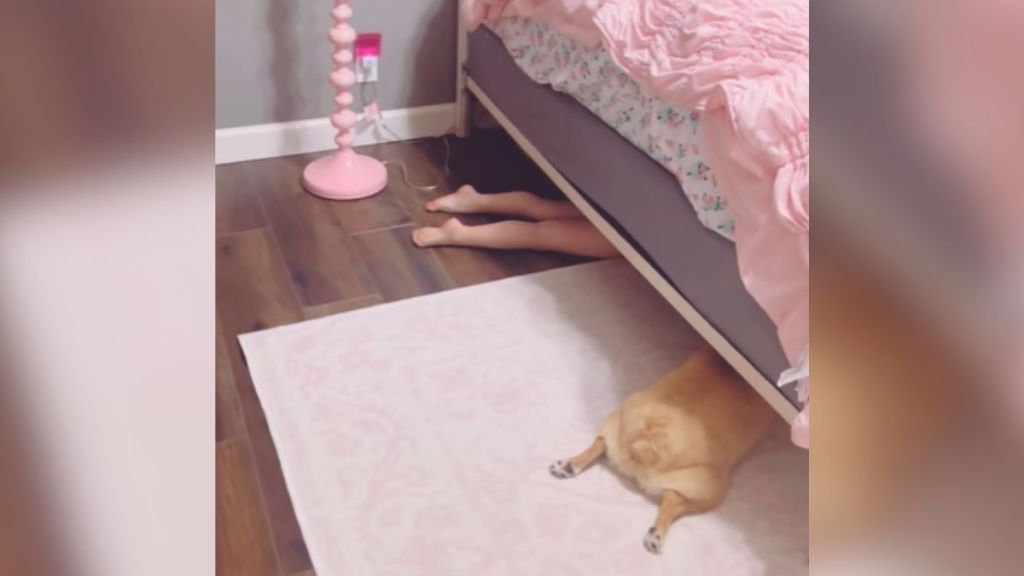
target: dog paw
<point>653,541</point>
<point>562,469</point>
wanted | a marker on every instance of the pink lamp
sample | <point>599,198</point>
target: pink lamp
<point>344,175</point>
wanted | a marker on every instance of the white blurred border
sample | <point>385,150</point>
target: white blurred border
<point>107,287</point>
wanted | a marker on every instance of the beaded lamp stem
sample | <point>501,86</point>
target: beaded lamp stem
<point>344,175</point>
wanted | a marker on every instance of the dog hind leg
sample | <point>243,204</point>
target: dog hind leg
<point>579,463</point>
<point>692,490</point>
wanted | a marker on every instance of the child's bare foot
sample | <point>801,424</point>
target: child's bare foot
<point>437,235</point>
<point>462,201</point>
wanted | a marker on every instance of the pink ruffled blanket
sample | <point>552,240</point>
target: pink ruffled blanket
<point>746,65</point>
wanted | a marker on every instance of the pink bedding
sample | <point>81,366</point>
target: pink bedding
<point>571,18</point>
<point>746,65</point>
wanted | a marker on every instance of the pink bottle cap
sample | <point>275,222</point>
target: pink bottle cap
<point>368,45</point>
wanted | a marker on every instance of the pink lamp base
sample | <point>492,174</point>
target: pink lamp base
<point>345,175</point>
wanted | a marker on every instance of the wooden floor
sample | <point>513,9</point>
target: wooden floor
<point>284,256</point>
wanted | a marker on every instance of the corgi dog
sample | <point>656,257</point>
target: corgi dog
<point>680,438</point>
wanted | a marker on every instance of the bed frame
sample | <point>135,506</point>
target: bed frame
<point>467,91</point>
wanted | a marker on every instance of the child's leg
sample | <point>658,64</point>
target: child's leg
<point>466,200</point>
<point>569,236</point>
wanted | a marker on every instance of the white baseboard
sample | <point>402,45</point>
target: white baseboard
<point>316,135</point>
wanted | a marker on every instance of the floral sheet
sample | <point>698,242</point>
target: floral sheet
<point>666,133</point>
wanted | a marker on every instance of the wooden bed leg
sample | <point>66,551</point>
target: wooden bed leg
<point>463,116</point>
<point>463,119</point>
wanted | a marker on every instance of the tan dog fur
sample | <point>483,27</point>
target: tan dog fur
<point>680,438</point>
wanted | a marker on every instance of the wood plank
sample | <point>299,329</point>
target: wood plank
<point>333,308</point>
<point>373,213</point>
<point>322,265</point>
<point>229,423</point>
<point>253,293</point>
<point>401,270</point>
<point>253,289</point>
<point>244,547</point>
<point>288,541</point>
<point>467,267</point>
<point>237,199</point>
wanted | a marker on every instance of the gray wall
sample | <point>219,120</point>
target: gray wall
<point>273,57</point>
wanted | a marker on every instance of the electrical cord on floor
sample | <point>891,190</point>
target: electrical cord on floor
<point>400,164</point>
<point>405,173</point>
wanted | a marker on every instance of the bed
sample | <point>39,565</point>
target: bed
<point>636,201</point>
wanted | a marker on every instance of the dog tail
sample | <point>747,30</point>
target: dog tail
<point>644,452</point>
<point>646,445</point>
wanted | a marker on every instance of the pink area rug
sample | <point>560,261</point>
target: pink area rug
<point>415,437</point>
